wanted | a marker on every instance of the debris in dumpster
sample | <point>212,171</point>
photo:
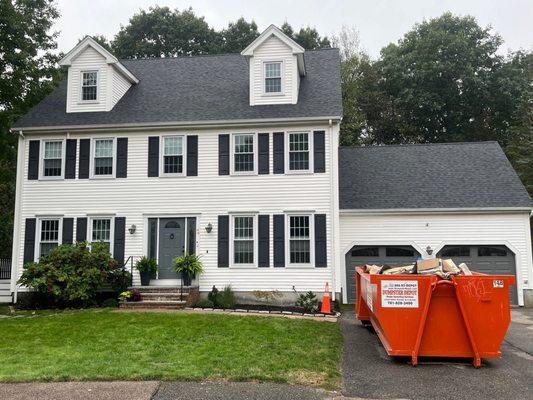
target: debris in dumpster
<point>434,266</point>
<point>464,269</point>
<point>449,266</point>
<point>406,269</point>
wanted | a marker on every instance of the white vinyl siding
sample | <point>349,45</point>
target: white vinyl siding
<point>206,196</point>
<point>52,161</point>
<point>438,230</point>
<point>111,83</point>
<point>273,50</point>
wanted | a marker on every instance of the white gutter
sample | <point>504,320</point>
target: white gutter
<point>177,124</point>
<point>436,210</point>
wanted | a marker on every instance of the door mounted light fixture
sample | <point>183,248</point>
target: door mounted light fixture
<point>132,229</point>
<point>209,228</point>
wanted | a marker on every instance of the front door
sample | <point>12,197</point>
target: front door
<point>171,245</point>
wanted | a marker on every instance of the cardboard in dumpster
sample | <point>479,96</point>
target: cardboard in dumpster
<point>449,266</point>
<point>406,269</point>
<point>423,265</point>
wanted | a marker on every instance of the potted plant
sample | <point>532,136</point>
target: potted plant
<point>188,265</point>
<point>147,268</point>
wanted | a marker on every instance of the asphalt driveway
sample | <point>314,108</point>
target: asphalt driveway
<point>369,373</point>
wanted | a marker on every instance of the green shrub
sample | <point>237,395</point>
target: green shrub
<point>71,274</point>
<point>110,303</point>
<point>212,296</point>
<point>119,279</point>
<point>204,303</point>
<point>226,298</point>
<point>145,264</point>
<point>308,302</point>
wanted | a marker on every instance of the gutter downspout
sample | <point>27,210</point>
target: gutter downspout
<point>16,220</point>
<point>333,209</point>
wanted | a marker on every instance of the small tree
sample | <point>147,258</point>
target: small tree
<point>71,274</point>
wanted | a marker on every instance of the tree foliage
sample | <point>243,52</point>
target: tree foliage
<point>27,73</point>
<point>307,37</point>
<point>238,35</point>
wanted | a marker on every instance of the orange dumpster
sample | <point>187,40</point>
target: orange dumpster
<point>424,315</point>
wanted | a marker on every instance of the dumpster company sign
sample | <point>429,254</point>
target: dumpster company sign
<point>399,294</point>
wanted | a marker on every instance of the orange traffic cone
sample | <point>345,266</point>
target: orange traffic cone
<point>326,301</point>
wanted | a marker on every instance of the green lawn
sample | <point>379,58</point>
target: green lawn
<point>106,344</point>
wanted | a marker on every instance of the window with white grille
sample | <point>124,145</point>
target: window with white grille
<point>299,239</point>
<point>49,236</point>
<point>103,157</point>
<point>101,231</point>
<point>299,151</point>
<point>273,77</point>
<point>243,240</point>
<point>173,155</point>
<point>52,158</point>
<point>243,152</point>
<point>89,86</point>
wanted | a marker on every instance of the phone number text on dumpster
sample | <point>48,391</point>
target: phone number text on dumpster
<point>399,294</point>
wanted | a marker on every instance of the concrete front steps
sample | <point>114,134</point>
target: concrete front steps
<point>5,291</point>
<point>162,297</point>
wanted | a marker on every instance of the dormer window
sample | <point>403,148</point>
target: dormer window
<point>273,77</point>
<point>89,86</point>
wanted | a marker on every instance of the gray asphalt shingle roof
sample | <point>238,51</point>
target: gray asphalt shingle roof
<point>203,88</point>
<point>450,175</point>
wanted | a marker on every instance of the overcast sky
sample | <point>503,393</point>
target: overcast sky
<point>379,22</point>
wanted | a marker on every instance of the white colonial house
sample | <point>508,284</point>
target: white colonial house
<point>236,158</point>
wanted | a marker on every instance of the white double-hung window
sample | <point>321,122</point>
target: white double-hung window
<point>52,158</point>
<point>273,77</point>
<point>173,155</point>
<point>104,150</point>
<point>243,240</point>
<point>300,234</point>
<point>49,235</point>
<point>244,153</point>
<point>102,231</point>
<point>89,86</point>
<point>299,151</point>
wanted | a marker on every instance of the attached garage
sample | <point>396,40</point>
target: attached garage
<point>458,200</point>
<point>487,259</point>
<point>386,255</point>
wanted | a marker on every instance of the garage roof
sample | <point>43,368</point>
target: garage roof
<point>445,175</point>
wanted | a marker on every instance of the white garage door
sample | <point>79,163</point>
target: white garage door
<point>485,259</point>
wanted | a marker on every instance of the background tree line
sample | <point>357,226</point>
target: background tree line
<point>443,81</point>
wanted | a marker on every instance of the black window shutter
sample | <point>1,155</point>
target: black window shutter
<point>263,139</point>
<point>319,146</point>
<point>70,159</point>
<point>279,153</point>
<point>223,241</point>
<point>120,240</point>
<point>279,240</point>
<point>122,158</point>
<point>223,154</point>
<point>68,227</point>
<point>320,241</point>
<point>264,241</point>
<point>29,240</point>
<point>85,154</point>
<point>153,156</point>
<point>192,155</point>
<point>81,229</point>
<point>33,160</point>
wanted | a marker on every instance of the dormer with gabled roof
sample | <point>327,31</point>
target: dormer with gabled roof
<point>96,79</point>
<point>276,65</point>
